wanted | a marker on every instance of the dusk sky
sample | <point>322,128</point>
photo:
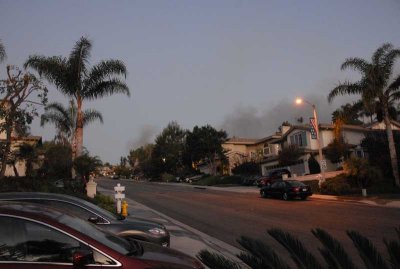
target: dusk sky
<point>237,65</point>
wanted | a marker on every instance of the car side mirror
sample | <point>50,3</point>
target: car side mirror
<point>94,220</point>
<point>80,258</point>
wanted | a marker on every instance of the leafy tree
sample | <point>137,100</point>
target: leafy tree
<point>374,86</point>
<point>57,161</point>
<point>15,107</point>
<point>258,254</point>
<point>376,144</point>
<point>313,165</point>
<point>246,168</point>
<point>85,165</point>
<point>65,119</point>
<point>337,150</point>
<point>141,159</point>
<point>75,78</point>
<point>289,155</point>
<point>205,144</point>
<point>28,153</point>
<point>362,171</point>
<point>168,149</point>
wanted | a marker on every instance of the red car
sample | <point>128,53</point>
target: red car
<point>34,236</point>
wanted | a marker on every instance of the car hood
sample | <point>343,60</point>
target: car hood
<point>139,225</point>
<point>155,254</point>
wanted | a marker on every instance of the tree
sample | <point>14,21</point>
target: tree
<point>65,119</point>
<point>2,52</point>
<point>15,107</point>
<point>313,165</point>
<point>75,78</point>
<point>168,149</point>
<point>205,144</point>
<point>289,155</point>
<point>374,86</point>
<point>348,113</point>
<point>246,168</point>
<point>27,153</point>
<point>86,164</point>
<point>57,161</point>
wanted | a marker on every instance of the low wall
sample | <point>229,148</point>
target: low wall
<point>317,176</point>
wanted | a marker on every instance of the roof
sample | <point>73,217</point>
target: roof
<point>251,141</point>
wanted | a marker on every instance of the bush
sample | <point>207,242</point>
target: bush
<point>246,168</point>
<point>217,180</point>
<point>314,185</point>
<point>362,172</point>
<point>104,201</point>
<point>338,185</point>
<point>167,177</point>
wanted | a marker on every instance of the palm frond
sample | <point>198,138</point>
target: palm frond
<point>371,257</point>
<point>90,116</point>
<point>300,255</point>
<point>395,85</point>
<point>216,261</point>
<point>104,70</point>
<point>79,58</point>
<point>2,52</point>
<point>54,69</point>
<point>380,53</point>
<point>345,88</point>
<point>264,256</point>
<point>356,64</point>
<point>388,62</point>
<point>105,88</point>
<point>393,248</point>
<point>333,251</point>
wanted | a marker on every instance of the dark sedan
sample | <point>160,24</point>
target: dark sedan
<point>135,228</point>
<point>40,237</point>
<point>286,189</point>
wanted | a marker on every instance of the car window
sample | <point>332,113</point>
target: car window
<point>77,210</point>
<point>26,241</point>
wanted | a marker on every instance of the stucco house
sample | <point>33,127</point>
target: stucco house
<point>265,151</point>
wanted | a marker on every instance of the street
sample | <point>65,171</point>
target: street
<point>227,215</point>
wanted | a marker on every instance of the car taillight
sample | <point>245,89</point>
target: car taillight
<point>296,189</point>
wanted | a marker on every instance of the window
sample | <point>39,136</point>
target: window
<point>266,150</point>
<point>299,139</point>
<point>26,241</point>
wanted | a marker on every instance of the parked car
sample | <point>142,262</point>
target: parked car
<point>36,236</point>
<point>134,228</point>
<point>273,176</point>
<point>286,189</point>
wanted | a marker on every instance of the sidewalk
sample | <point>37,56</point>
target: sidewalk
<point>371,200</point>
<point>183,237</point>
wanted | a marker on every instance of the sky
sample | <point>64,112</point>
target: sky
<point>236,65</point>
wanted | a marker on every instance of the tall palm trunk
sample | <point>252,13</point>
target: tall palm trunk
<point>392,148</point>
<point>79,128</point>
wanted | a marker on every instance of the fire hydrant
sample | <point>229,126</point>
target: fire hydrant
<point>124,209</point>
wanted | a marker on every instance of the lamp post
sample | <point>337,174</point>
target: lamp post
<point>299,101</point>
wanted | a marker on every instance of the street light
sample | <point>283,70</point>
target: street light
<point>299,101</point>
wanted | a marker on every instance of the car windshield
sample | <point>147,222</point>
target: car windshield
<point>296,184</point>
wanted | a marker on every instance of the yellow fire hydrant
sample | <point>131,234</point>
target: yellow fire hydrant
<point>124,209</point>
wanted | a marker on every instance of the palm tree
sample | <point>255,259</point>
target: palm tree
<point>65,120</point>
<point>2,52</point>
<point>375,86</point>
<point>75,78</point>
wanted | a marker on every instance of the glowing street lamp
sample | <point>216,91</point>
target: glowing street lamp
<point>300,101</point>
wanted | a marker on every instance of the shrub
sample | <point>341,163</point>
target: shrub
<point>167,177</point>
<point>338,185</point>
<point>314,185</point>
<point>104,201</point>
<point>246,168</point>
<point>360,170</point>
<point>217,180</point>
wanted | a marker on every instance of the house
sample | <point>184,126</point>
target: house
<point>265,151</point>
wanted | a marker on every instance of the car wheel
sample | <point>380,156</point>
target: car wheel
<point>263,195</point>
<point>285,196</point>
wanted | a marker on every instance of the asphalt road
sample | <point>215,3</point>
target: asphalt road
<point>226,215</point>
